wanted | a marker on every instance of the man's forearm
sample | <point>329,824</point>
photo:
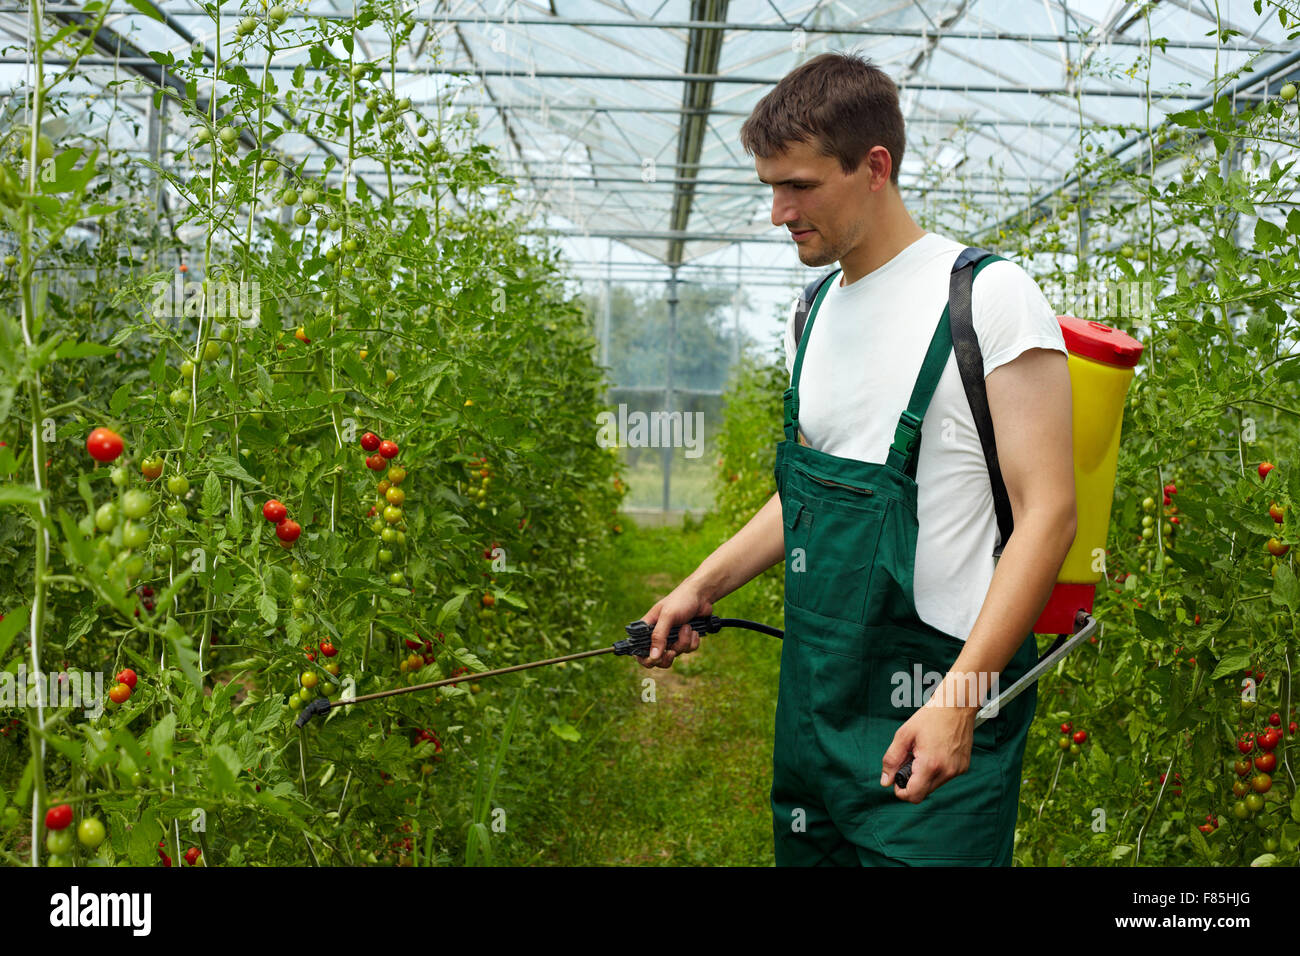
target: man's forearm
<point>1022,583</point>
<point>749,552</point>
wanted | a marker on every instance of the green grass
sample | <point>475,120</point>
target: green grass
<point>691,478</point>
<point>681,781</point>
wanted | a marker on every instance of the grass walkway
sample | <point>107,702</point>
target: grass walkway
<point>682,780</point>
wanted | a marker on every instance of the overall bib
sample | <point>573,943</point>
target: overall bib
<point>857,659</point>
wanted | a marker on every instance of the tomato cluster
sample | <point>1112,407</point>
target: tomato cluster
<point>480,476</point>
<point>1071,739</point>
<point>389,521</point>
<point>123,686</point>
<point>61,840</point>
<point>286,529</point>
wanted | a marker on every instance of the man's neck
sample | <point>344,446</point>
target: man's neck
<point>895,233</point>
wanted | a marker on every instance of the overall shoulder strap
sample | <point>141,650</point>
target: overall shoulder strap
<point>805,303</point>
<point>970,363</point>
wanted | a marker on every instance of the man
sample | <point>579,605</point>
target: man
<point>888,541</point>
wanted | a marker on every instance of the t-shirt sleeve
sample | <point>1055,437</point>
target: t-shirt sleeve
<point>1011,315</point>
<point>789,337</point>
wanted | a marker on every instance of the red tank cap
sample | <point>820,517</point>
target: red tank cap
<point>1099,342</point>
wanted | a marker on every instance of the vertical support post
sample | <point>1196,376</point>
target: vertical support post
<point>666,452</point>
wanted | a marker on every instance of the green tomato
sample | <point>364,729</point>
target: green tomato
<point>309,196</point>
<point>1270,845</point>
<point>179,397</point>
<point>302,217</point>
<point>269,166</point>
<point>211,351</point>
<point>106,516</point>
<point>135,535</point>
<point>133,566</point>
<point>385,556</point>
<point>118,476</point>
<point>396,578</point>
<point>60,841</point>
<point>58,859</point>
<point>1240,810</point>
<point>1254,802</point>
<point>295,701</point>
<point>377,526</point>
<point>177,511</point>
<point>401,538</point>
<point>289,196</point>
<point>187,368</point>
<point>178,485</point>
<point>301,582</point>
<point>299,602</point>
<point>228,135</point>
<point>389,535</point>
<point>326,689</point>
<point>91,832</point>
<point>136,503</point>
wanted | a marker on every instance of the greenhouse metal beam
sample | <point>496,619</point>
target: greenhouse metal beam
<point>760,81</point>
<point>995,35</point>
<point>703,51</point>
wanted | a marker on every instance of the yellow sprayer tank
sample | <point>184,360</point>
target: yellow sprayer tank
<point>1101,366</point>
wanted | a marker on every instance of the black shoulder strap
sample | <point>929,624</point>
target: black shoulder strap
<point>805,304</point>
<point>970,363</point>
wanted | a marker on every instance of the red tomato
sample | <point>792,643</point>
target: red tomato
<point>58,818</point>
<point>192,855</point>
<point>1266,763</point>
<point>104,444</point>
<point>388,449</point>
<point>1171,489</point>
<point>1275,719</point>
<point>126,677</point>
<point>376,463</point>
<point>1270,740</point>
<point>1245,746</point>
<point>1080,736</point>
<point>328,649</point>
<point>1276,513</point>
<point>369,441</point>
<point>1264,468</point>
<point>274,512</point>
<point>288,530</point>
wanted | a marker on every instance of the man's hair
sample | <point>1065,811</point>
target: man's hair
<point>839,102</point>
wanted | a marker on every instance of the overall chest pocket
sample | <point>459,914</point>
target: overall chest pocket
<point>797,520</point>
<point>844,527</point>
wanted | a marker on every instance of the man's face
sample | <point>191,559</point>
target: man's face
<point>826,212</point>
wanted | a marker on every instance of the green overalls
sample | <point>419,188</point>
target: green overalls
<point>852,639</point>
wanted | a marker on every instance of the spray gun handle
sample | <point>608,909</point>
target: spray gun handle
<point>637,641</point>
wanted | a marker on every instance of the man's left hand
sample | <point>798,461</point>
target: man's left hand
<point>940,740</point>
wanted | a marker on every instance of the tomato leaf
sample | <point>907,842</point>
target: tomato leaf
<point>1231,664</point>
<point>267,608</point>
<point>1286,590</point>
<point>452,605</point>
<point>12,624</point>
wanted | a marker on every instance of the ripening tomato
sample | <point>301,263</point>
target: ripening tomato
<point>119,694</point>
<point>58,817</point>
<point>151,467</point>
<point>1242,767</point>
<point>104,444</point>
<point>396,474</point>
<point>395,496</point>
<point>301,333</point>
<point>376,463</point>
<point>1240,788</point>
<point>308,679</point>
<point>388,448</point>
<point>288,530</point>
<point>1254,802</point>
<point>1261,783</point>
<point>1276,513</point>
<point>274,512</point>
<point>1264,468</point>
<point>1277,548</point>
<point>370,441</point>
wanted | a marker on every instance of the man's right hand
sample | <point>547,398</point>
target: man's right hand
<point>685,602</point>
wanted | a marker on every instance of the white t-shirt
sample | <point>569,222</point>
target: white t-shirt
<point>860,364</point>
